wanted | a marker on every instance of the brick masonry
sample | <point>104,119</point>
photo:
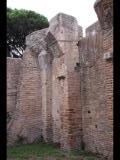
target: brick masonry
<point>104,10</point>
<point>61,90</point>
<point>13,71</point>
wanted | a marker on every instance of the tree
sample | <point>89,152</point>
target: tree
<point>20,23</point>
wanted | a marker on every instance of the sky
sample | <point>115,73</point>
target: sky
<point>83,10</point>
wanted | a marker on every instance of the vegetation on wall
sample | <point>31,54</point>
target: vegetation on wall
<point>20,23</point>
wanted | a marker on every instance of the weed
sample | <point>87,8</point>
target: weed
<point>45,151</point>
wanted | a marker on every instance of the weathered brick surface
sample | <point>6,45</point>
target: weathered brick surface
<point>66,80</point>
<point>27,118</point>
<point>13,74</point>
<point>64,92</point>
<point>13,71</point>
<point>46,90</point>
<point>94,124</point>
<point>96,84</point>
<point>104,10</point>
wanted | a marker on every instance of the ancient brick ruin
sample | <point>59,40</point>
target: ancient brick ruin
<point>62,88</point>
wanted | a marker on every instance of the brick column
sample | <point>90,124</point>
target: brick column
<point>67,78</point>
<point>46,90</point>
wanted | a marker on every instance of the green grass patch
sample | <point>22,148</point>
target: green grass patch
<point>45,151</point>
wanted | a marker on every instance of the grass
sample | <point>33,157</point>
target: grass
<point>44,151</point>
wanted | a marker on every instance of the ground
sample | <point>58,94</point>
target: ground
<point>44,151</point>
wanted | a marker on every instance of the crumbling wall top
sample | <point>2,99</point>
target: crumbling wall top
<point>104,10</point>
<point>64,27</point>
<point>36,40</point>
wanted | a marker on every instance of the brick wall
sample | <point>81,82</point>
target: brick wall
<point>27,118</point>
<point>97,83</point>
<point>104,10</point>
<point>13,71</point>
<point>13,75</point>
<point>64,91</point>
<point>93,91</point>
